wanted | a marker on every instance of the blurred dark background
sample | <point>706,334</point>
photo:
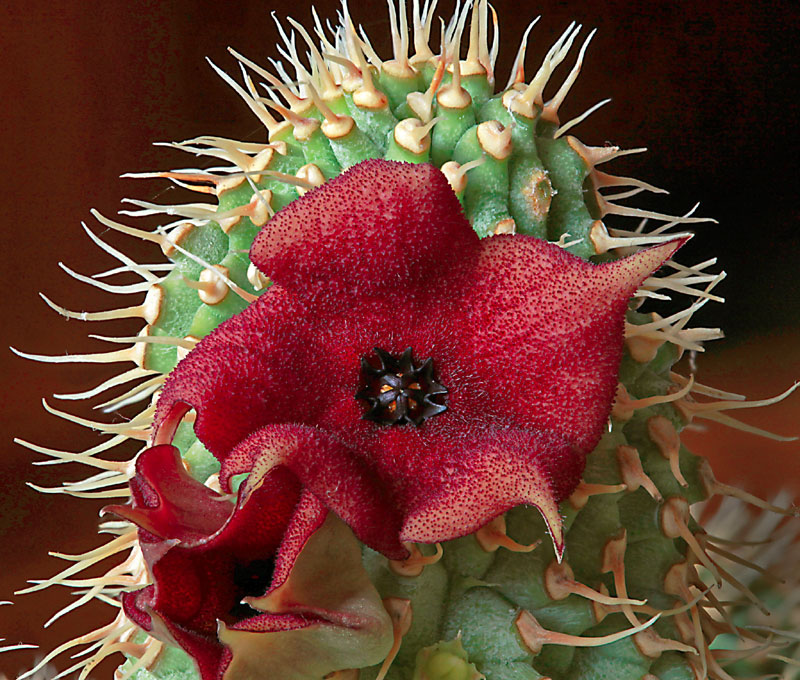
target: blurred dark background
<point>87,87</point>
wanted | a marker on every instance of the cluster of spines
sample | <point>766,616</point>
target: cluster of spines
<point>770,547</point>
<point>508,158</point>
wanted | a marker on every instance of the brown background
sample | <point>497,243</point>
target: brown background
<point>87,86</point>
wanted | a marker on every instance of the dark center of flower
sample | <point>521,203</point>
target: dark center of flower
<point>399,391</point>
<point>250,580</point>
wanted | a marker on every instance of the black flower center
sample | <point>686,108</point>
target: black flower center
<point>399,391</point>
<point>250,580</point>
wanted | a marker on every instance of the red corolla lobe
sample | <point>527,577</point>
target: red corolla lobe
<point>381,228</point>
<point>526,338</point>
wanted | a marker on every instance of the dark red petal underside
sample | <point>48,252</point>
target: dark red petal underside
<point>168,503</point>
<point>193,539</point>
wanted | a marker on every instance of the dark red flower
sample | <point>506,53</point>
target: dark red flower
<point>238,587</point>
<point>521,340</point>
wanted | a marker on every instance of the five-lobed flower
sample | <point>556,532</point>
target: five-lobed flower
<point>400,372</point>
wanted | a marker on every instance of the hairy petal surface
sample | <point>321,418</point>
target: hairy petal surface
<point>525,337</point>
<point>253,369</point>
<point>344,482</point>
<point>380,227</point>
<point>544,336</point>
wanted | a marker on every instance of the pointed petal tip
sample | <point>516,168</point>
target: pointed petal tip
<point>668,249</point>
<point>627,274</point>
<point>559,546</point>
<point>555,527</point>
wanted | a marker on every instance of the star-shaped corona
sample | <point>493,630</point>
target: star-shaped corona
<point>399,391</point>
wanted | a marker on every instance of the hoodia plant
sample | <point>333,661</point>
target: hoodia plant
<point>408,408</point>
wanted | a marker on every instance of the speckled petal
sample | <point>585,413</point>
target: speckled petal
<point>380,226</point>
<point>345,482</point>
<point>545,333</point>
<point>525,337</point>
<point>251,370</point>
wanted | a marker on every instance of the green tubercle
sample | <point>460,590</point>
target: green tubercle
<point>445,661</point>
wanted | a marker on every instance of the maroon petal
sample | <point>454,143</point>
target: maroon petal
<point>168,503</point>
<point>380,226</point>
<point>249,371</point>
<point>345,483</point>
<point>545,333</point>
